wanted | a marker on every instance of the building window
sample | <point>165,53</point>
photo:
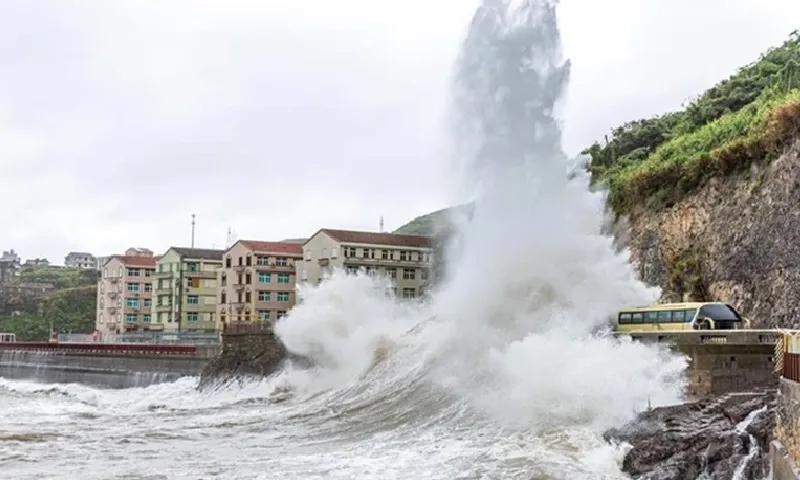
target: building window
<point>371,271</point>
<point>263,315</point>
<point>262,260</point>
<point>130,318</point>
<point>408,293</point>
<point>404,255</point>
<point>281,314</point>
<point>102,288</point>
<point>283,278</point>
<point>349,252</point>
<point>307,254</point>
<point>148,303</point>
<point>264,277</point>
<point>100,318</point>
<point>223,280</point>
<point>148,273</point>
<point>248,278</point>
<point>133,287</point>
<point>240,262</point>
<point>101,302</point>
<point>148,287</point>
<point>282,261</point>
<point>192,267</point>
<point>409,274</point>
<point>105,273</point>
<point>391,273</point>
<point>223,297</point>
<point>146,318</point>
<point>227,262</point>
<point>192,299</point>
<point>283,296</point>
<point>351,270</point>
<point>424,273</point>
<point>264,296</point>
<point>134,272</point>
<point>193,316</point>
<point>248,297</point>
<point>133,302</point>
<point>384,254</point>
<point>334,252</point>
<point>249,260</point>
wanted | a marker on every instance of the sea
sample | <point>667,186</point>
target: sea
<point>504,372</point>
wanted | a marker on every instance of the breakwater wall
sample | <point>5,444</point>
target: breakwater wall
<point>723,361</point>
<point>106,365</point>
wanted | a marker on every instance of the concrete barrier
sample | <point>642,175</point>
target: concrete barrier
<point>121,367</point>
<point>722,361</point>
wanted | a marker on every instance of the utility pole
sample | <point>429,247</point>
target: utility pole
<point>193,230</point>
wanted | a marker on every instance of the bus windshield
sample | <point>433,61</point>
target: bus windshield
<point>716,311</point>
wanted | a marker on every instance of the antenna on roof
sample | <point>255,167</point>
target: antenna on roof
<point>381,224</point>
<point>193,230</point>
<point>229,239</point>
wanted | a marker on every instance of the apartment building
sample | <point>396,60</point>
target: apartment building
<point>186,289</point>
<point>405,259</point>
<point>80,260</point>
<point>124,295</point>
<point>257,281</point>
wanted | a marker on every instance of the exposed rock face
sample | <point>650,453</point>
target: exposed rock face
<point>737,240</point>
<point>248,355</point>
<point>720,438</point>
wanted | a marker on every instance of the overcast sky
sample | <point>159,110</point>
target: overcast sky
<point>119,119</point>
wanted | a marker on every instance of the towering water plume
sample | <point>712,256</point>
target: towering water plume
<point>513,330</point>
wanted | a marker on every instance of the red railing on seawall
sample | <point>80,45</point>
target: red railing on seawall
<point>129,348</point>
<point>791,366</point>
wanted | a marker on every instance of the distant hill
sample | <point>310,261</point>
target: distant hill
<point>434,222</point>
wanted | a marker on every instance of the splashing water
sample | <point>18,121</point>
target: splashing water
<point>533,277</point>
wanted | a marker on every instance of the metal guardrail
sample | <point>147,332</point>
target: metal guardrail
<point>791,366</point>
<point>153,338</point>
<point>102,348</point>
<point>247,328</point>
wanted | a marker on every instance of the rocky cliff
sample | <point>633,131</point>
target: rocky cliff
<point>736,240</point>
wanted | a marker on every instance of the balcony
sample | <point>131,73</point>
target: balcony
<point>113,295</point>
<point>114,279</point>
<point>239,287</point>
<point>324,262</point>
<point>163,291</point>
<point>272,267</point>
<point>239,268</point>
<point>167,274</point>
<point>212,274</point>
<point>386,262</point>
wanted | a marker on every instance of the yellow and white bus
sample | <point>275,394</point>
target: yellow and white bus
<point>681,316</point>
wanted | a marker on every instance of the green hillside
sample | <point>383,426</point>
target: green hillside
<point>70,307</point>
<point>749,117</point>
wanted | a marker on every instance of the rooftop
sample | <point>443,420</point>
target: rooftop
<point>133,261</point>
<point>379,238</point>
<point>289,248</point>
<point>201,253</point>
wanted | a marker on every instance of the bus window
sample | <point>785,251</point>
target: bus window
<point>651,317</point>
<point>689,314</point>
<point>624,318</point>
<point>665,316</point>
<point>678,316</point>
<point>637,318</point>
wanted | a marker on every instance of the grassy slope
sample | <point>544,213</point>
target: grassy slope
<point>747,118</point>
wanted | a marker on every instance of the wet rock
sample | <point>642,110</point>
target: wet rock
<point>709,439</point>
<point>248,356</point>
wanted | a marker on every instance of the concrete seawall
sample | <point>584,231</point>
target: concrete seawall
<point>785,449</point>
<point>121,369</point>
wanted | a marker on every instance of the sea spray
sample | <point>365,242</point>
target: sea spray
<point>512,329</point>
